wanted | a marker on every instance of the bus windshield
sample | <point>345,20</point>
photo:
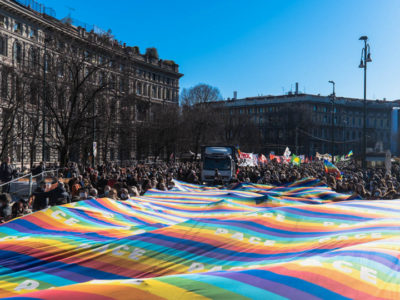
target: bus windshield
<point>217,163</point>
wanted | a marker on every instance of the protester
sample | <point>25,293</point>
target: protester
<point>5,207</point>
<point>84,183</point>
<point>6,173</point>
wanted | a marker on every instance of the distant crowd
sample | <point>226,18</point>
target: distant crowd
<point>75,182</point>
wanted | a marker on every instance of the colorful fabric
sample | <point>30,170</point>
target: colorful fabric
<point>262,159</point>
<point>297,241</point>
<point>295,160</point>
<point>332,169</point>
<point>350,153</point>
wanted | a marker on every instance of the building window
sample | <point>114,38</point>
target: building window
<point>61,101</point>
<point>112,82</point>
<point>33,94</point>
<point>47,60</point>
<point>121,85</point>
<point>2,21</point>
<point>32,58</point>
<point>101,78</point>
<point>3,46</point>
<point>60,70</point>
<point>17,52</point>
<point>4,85</point>
<point>18,27</point>
<point>315,108</point>
<point>139,89</point>
<point>32,33</point>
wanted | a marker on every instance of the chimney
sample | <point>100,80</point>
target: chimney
<point>297,88</point>
<point>235,95</point>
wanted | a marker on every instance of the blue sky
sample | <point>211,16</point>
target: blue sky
<point>260,46</point>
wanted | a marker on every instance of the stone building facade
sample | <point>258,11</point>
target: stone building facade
<point>304,122</point>
<point>29,34</point>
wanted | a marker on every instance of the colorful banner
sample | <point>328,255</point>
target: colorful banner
<point>248,159</point>
<point>330,168</point>
<point>297,241</point>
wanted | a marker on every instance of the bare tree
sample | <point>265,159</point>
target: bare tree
<point>73,87</point>
<point>201,93</point>
<point>14,91</point>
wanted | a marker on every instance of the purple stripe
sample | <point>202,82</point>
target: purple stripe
<point>269,285</point>
<point>59,233</point>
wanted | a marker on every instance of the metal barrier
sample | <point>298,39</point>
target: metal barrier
<point>17,192</point>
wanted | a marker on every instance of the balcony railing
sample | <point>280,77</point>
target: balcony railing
<point>38,7</point>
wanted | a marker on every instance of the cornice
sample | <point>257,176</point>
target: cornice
<point>48,23</point>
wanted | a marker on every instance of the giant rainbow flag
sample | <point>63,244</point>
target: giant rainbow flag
<point>299,241</point>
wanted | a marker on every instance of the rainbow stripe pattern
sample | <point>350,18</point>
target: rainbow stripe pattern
<point>331,168</point>
<point>299,241</point>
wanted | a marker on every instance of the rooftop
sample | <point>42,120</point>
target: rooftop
<point>302,97</point>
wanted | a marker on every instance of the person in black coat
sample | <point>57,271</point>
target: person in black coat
<point>5,207</point>
<point>59,195</point>
<point>40,197</point>
<point>6,173</point>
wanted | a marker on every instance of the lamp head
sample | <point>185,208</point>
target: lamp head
<point>368,58</point>
<point>363,38</point>
<point>361,64</point>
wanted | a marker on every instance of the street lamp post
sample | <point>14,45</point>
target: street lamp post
<point>344,134</point>
<point>333,120</point>
<point>365,58</point>
<point>45,69</point>
<point>45,62</point>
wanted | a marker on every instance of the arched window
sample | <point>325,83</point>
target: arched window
<point>3,46</point>
<point>33,58</point>
<point>113,82</point>
<point>47,62</point>
<point>4,85</point>
<point>17,52</point>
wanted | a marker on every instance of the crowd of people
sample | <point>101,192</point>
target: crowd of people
<point>74,182</point>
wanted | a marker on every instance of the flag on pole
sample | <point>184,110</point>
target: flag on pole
<point>331,168</point>
<point>295,160</point>
<point>287,153</point>
<point>350,153</point>
<point>262,159</point>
